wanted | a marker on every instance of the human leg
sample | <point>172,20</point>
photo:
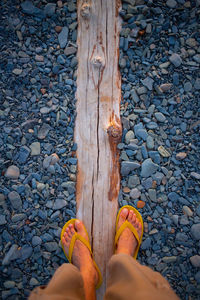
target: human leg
<point>77,281</point>
<point>128,279</point>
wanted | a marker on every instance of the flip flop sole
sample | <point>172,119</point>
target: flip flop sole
<point>85,242</point>
<point>139,217</point>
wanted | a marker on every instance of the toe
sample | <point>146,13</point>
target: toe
<point>80,228</point>
<point>130,216</point>
<point>124,213</point>
<point>72,230</point>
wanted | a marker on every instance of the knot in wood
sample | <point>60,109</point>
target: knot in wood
<point>114,132</point>
<point>85,10</point>
<point>97,61</point>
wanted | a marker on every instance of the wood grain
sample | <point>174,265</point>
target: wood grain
<point>98,126</point>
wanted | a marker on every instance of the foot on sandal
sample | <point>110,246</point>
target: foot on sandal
<point>81,256</point>
<point>127,242</point>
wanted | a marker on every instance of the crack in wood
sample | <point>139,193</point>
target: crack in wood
<point>98,129</point>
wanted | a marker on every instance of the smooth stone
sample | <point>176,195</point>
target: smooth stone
<point>197,84</point>
<point>18,218</point>
<point>133,181</point>
<point>188,86</point>
<point>160,117</point>
<point>23,154</point>
<point>163,152</point>
<point>43,131</point>
<point>35,148</point>
<point>152,195</point>
<point>158,176</point>
<point>15,200</point>
<point>9,284</point>
<point>191,42</point>
<point>25,252</point>
<point>146,244</point>
<point>142,133</point>
<point>173,196</point>
<point>128,166</point>
<point>12,172</point>
<point>148,82</point>
<point>187,211</point>
<point>3,220</point>
<point>175,59</point>
<point>171,3</point>
<point>195,261</point>
<point>148,168</point>
<point>28,8</point>
<point>34,282</point>
<point>9,255</point>
<point>134,96</point>
<point>40,186</point>
<point>129,136</point>
<point>169,259</point>
<point>51,246</point>
<point>39,58</point>
<point>135,193</point>
<point>63,37</point>
<point>17,71</point>
<point>59,204</point>
<point>195,175</point>
<point>49,9</point>
<point>181,155</point>
<point>70,50</point>
<point>150,142</point>
<point>195,231</point>
<point>36,240</point>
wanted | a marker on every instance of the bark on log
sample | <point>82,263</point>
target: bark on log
<point>98,126</point>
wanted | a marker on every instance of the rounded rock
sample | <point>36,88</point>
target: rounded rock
<point>12,172</point>
<point>195,231</point>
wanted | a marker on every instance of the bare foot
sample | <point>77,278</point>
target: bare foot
<point>127,242</point>
<point>81,256</point>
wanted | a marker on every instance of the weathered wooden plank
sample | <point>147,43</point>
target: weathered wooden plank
<point>98,127</point>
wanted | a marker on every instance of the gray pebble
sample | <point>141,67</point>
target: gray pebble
<point>12,172</point>
<point>15,200</point>
<point>35,148</point>
<point>195,261</point>
<point>195,231</point>
<point>135,193</point>
<point>128,166</point>
<point>148,168</point>
<point>160,117</point>
<point>171,3</point>
<point>148,82</point>
<point>63,37</point>
<point>175,59</point>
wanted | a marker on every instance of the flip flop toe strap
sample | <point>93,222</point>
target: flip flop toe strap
<point>125,225</point>
<point>75,237</point>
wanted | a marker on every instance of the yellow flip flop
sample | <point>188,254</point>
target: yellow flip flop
<point>75,237</point>
<point>130,226</point>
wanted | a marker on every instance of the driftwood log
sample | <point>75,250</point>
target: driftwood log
<point>98,127</point>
